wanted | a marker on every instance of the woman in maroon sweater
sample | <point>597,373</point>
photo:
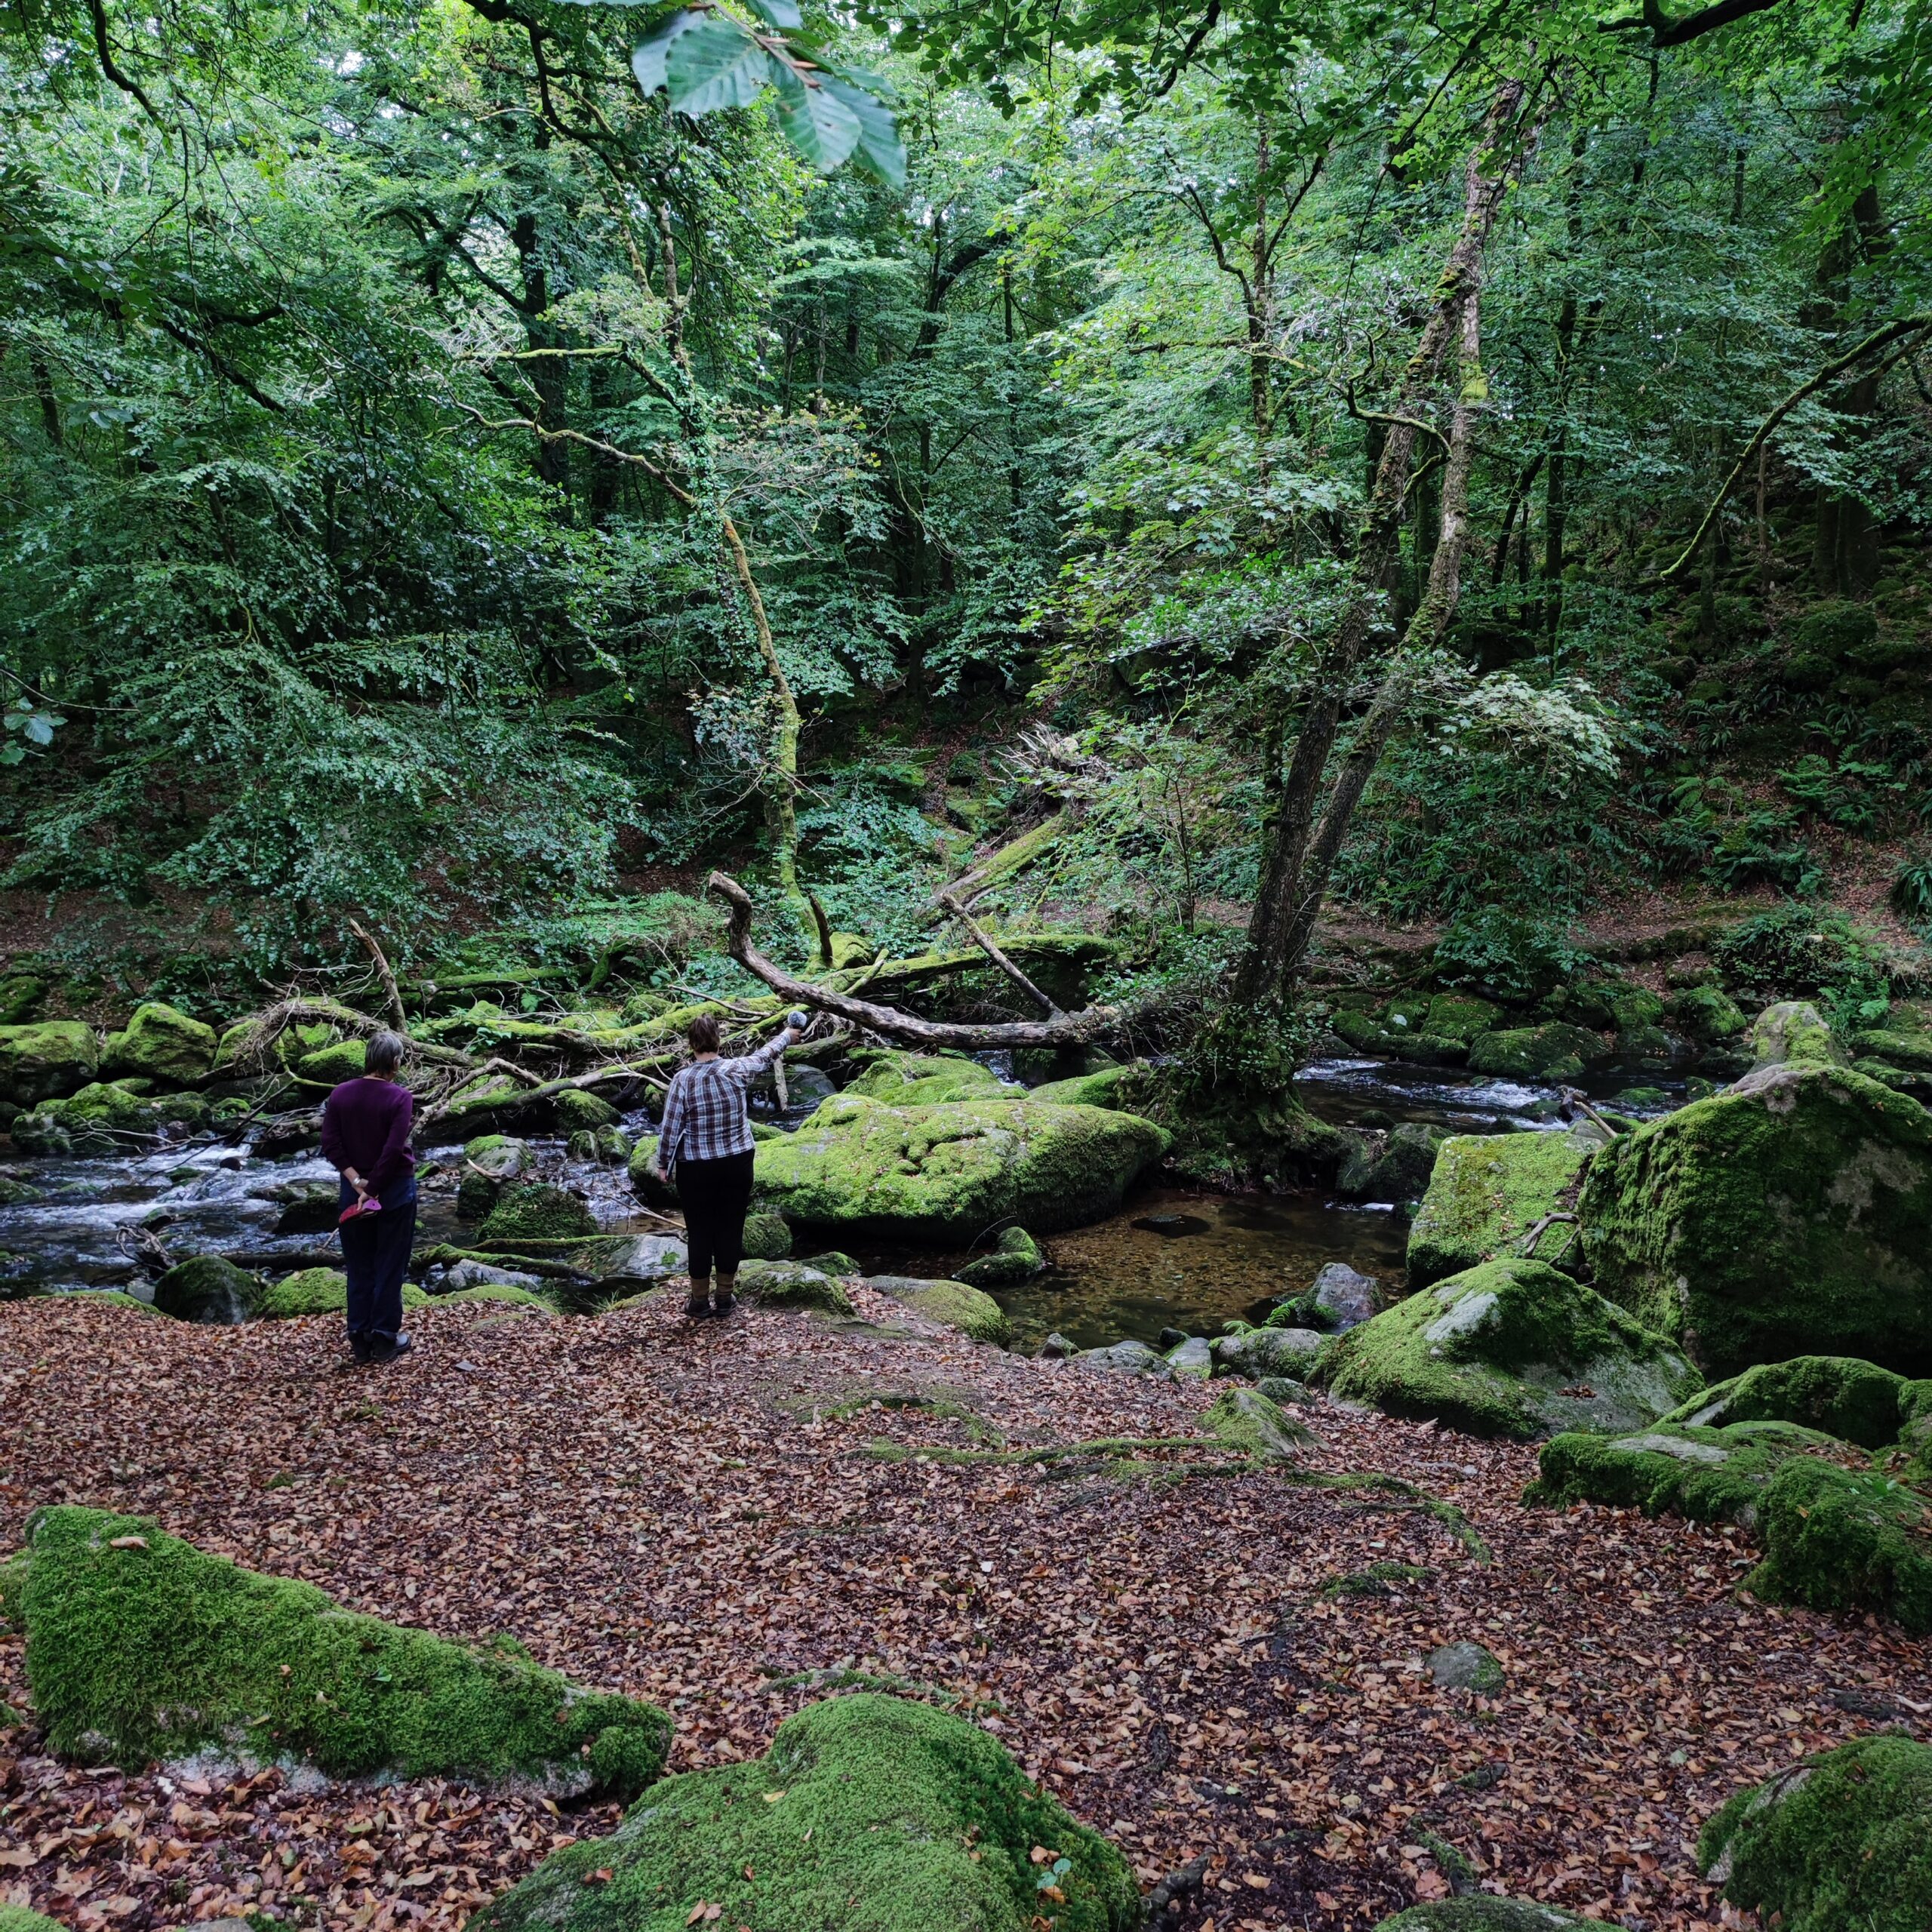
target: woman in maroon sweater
<point>365,1136</point>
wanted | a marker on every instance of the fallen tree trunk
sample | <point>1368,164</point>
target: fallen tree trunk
<point>1064,1030</point>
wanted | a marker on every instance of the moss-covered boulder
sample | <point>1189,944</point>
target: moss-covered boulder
<point>1555,1051</point>
<point>795,1285</point>
<point>955,1304</point>
<point>318,1291</point>
<point>915,1080</point>
<point>1391,1166</point>
<point>491,1163</point>
<point>1106,1086</point>
<point>645,1184</point>
<point>140,1646</point>
<point>537,1211</point>
<point>105,1118</point>
<point>768,1237</point>
<point>1511,1348</point>
<point>46,1059</point>
<point>833,1261</point>
<point>579,1111</point>
<point>1485,1194</point>
<point>1463,1017</point>
<point>868,1814</point>
<point>1794,1032</point>
<point>1911,1051</point>
<point>1016,1258</point>
<point>1480,1912</point>
<point>1707,1014</point>
<point>1708,1475</point>
<point>208,1289</point>
<point>1839,1395</point>
<point>1846,1539</point>
<point>331,1065</point>
<point>940,1174</point>
<point>1841,1843</point>
<point>501,1295</point>
<point>1785,1216</point>
<point>1247,1420</point>
<point>161,1044</point>
<point>1260,1353</point>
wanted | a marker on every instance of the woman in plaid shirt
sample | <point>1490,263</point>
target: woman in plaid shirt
<point>704,1144</point>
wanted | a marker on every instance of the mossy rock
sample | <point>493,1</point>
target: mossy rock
<point>105,1118</point>
<point>1708,1475</point>
<point>578,1111</point>
<point>107,1298</point>
<point>491,1163</point>
<point>1395,1166</point>
<point>1479,1912</point>
<point>1794,1032</point>
<point>140,1646</point>
<point>1463,1017</point>
<point>795,1285</point>
<point>1707,1014</point>
<point>1260,1353</point>
<point>1911,1051</point>
<point>208,1289</point>
<point>833,1261</point>
<point>1512,1349</point>
<point>161,1044</point>
<point>504,1294</point>
<point>938,1174</point>
<point>768,1237</point>
<point>319,1291</point>
<point>1247,1420</point>
<point>1016,1258</point>
<point>20,993</point>
<point>537,1211</point>
<point>18,1919</point>
<point>1556,1051</point>
<point>47,1059</point>
<point>914,1080</point>
<point>1841,1843</point>
<point>1857,1401</point>
<point>955,1304</point>
<point>649,1189</point>
<point>1486,1192</point>
<point>1785,1216</point>
<point>1106,1086</point>
<point>869,1814</point>
<point>347,1060</point>
<point>1843,1540</point>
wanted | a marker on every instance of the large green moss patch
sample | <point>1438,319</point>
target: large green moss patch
<point>1841,1843</point>
<point>869,1814</point>
<point>1511,1348</point>
<point>945,1174</point>
<point>140,1646</point>
<point>1786,1215</point>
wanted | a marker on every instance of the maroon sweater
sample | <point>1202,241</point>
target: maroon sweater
<point>365,1126</point>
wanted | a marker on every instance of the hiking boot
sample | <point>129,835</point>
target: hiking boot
<point>382,1348</point>
<point>358,1347</point>
<point>727,1296</point>
<point>696,1306</point>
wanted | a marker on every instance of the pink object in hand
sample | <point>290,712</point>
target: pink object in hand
<point>357,1209</point>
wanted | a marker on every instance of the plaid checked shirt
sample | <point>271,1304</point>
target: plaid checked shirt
<point>704,1109</point>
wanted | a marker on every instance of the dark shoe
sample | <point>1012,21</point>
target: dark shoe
<point>358,1347</point>
<point>385,1350</point>
<point>696,1307</point>
<point>727,1297</point>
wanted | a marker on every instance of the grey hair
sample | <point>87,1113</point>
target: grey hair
<point>383,1053</point>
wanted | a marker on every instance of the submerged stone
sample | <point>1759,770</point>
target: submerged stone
<point>869,1814</point>
<point>1016,1258</point>
<point>938,1174</point>
<point>1841,1843</point>
<point>1487,1192</point>
<point>1511,1348</point>
<point>140,1646</point>
<point>1785,1216</point>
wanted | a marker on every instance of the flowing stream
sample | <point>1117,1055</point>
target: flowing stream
<point>1170,1259</point>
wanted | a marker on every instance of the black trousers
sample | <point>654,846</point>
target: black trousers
<point>375,1257</point>
<point>714,1195</point>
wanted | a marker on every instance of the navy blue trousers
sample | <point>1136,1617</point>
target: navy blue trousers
<point>375,1257</point>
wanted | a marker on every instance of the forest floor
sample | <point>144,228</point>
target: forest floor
<point>692,1513</point>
